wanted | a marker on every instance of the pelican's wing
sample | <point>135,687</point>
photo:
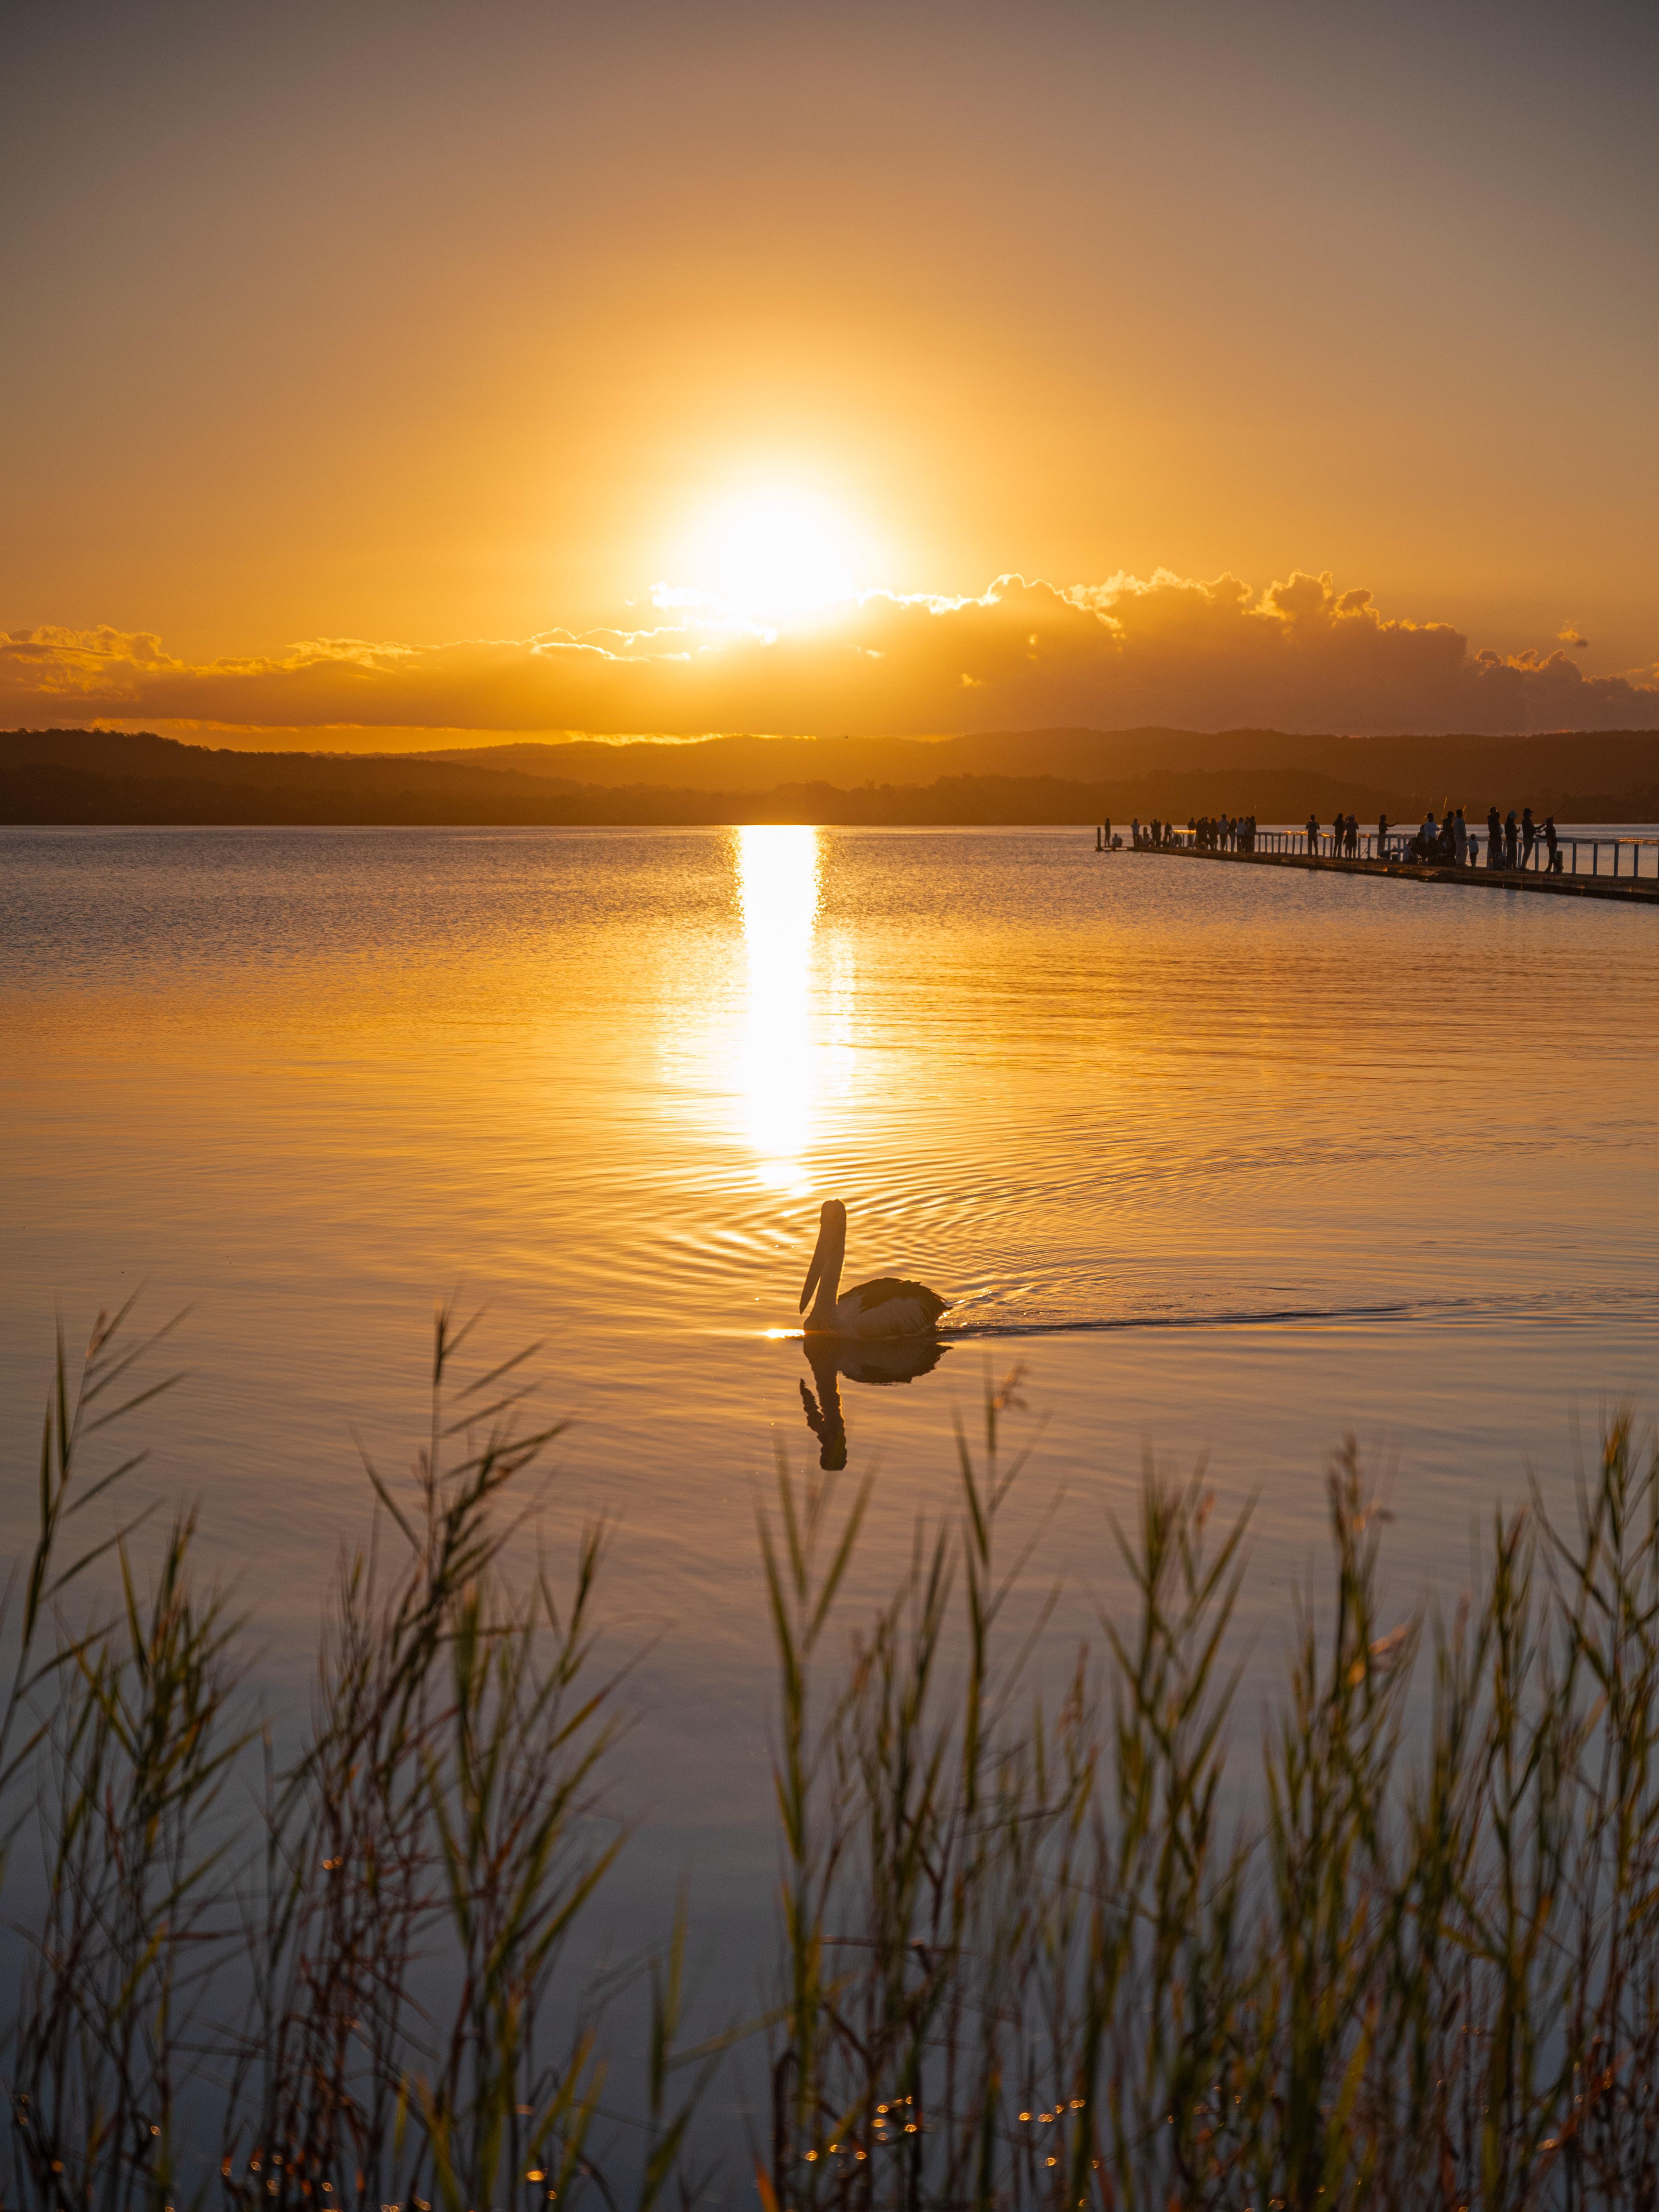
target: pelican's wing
<point>890,1290</point>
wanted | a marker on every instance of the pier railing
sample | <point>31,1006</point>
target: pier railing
<point>1621,858</point>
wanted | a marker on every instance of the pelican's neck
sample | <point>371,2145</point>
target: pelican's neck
<point>823,1305</point>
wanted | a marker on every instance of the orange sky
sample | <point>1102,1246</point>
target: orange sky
<point>459,329</point>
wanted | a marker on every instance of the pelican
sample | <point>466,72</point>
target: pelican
<point>888,1307</point>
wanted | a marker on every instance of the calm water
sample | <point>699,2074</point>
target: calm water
<point>1232,1162</point>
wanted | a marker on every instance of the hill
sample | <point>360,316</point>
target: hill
<point>101,776</point>
<point>1412,771</point>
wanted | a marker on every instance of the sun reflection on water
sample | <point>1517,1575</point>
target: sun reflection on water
<point>779,891</point>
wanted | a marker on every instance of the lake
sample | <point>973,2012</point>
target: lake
<point>1229,1162</point>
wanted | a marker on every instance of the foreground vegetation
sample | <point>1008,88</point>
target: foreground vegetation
<point>1029,1954</point>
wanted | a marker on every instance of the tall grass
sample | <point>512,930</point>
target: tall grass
<point>1030,1963</point>
<point>1050,1935</point>
<point>349,1999</point>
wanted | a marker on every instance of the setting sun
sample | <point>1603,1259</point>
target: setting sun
<point>770,551</point>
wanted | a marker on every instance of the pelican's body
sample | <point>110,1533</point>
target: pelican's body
<point>889,1306</point>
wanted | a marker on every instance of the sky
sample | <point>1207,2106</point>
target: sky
<point>385,374</point>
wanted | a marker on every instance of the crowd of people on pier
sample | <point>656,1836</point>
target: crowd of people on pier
<point>1344,836</point>
<point>1512,840</point>
<point>1224,833</point>
<point>1208,832</point>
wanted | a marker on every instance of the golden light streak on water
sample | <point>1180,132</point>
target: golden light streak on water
<point>779,891</point>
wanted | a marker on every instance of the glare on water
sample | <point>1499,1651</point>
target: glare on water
<point>778,893</point>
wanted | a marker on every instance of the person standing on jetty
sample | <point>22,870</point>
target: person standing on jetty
<point>1459,838</point>
<point>1550,843</point>
<point>1313,834</point>
<point>1494,839</point>
<point>1511,840</point>
<point>1529,836</point>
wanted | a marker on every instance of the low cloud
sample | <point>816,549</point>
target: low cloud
<point>1302,655</point>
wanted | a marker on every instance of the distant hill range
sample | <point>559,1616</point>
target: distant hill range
<point>1014,776</point>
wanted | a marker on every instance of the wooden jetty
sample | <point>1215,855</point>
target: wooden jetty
<point>1640,891</point>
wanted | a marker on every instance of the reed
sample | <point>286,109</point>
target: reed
<point>1051,1934</point>
<point>1424,1970</point>
<point>349,1998</point>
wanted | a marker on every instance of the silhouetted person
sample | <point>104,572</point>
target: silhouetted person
<point>1459,838</point>
<point>1313,833</point>
<point>1382,837</point>
<point>1529,836</point>
<point>1511,840</point>
<point>1550,844</point>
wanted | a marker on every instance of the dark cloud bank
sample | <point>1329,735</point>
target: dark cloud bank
<point>1302,655</point>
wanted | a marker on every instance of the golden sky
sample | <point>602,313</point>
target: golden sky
<point>633,367</point>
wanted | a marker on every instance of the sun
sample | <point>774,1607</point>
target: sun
<point>769,552</point>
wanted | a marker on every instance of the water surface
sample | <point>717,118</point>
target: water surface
<point>1231,1161</point>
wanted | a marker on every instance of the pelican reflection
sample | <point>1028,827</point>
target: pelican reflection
<point>830,1358</point>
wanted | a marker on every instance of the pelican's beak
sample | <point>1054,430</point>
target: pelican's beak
<point>813,1273</point>
<point>826,1252</point>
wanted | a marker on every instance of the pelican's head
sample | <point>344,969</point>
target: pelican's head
<point>830,1250</point>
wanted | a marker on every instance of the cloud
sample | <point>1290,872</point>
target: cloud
<point>1301,656</point>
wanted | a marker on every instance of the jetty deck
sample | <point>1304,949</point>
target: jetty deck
<point>1626,891</point>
